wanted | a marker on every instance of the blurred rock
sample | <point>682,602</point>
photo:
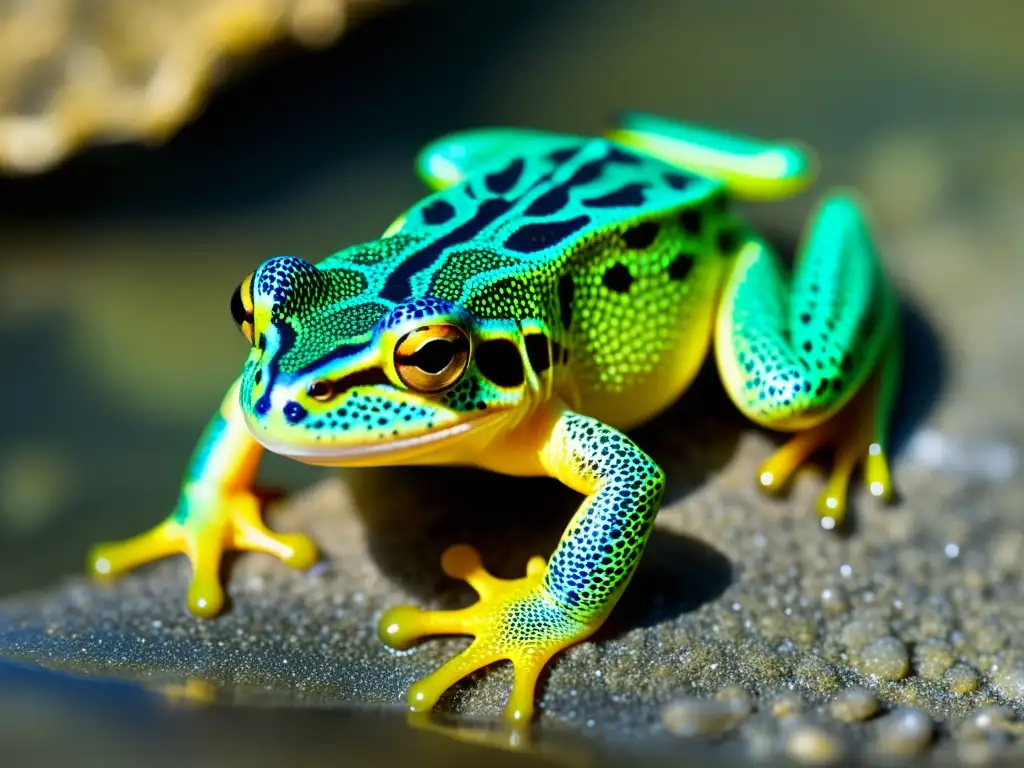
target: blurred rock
<point>74,72</point>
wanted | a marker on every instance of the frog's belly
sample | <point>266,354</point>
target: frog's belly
<point>629,376</point>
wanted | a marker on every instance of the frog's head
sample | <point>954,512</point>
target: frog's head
<point>336,377</point>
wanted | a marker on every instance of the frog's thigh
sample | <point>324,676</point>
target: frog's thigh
<point>448,160</point>
<point>817,355</point>
<point>751,169</point>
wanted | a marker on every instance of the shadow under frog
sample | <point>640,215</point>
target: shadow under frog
<point>412,514</point>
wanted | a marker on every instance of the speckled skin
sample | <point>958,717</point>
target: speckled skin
<point>553,291</point>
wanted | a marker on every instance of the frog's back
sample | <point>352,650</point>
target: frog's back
<point>608,251</point>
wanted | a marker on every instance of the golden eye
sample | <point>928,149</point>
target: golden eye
<point>432,358</point>
<point>321,390</point>
<point>242,308</point>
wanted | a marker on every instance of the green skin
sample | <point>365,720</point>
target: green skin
<point>589,278</point>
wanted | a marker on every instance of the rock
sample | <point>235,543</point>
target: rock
<point>811,744</point>
<point>854,706</point>
<point>704,717</point>
<point>126,70</point>
<point>903,732</point>
<point>886,658</point>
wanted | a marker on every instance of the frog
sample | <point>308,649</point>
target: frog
<point>549,294</point>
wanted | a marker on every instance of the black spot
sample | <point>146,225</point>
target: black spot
<point>678,180</point>
<point>617,278</point>
<point>808,346</point>
<point>618,155</point>
<point>397,287</point>
<point>550,202</point>
<point>258,377</point>
<point>500,362</point>
<point>641,236</point>
<point>566,291</point>
<point>586,173</point>
<point>630,195</point>
<point>438,212</point>
<point>680,267</point>
<point>294,412</point>
<point>805,318</point>
<point>727,241</point>
<point>538,352</point>
<point>563,155</point>
<point>692,221</point>
<point>502,181</point>
<point>536,237</point>
<point>847,363</point>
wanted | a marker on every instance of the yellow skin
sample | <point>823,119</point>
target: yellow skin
<point>553,291</point>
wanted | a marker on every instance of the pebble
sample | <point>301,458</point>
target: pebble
<point>962,678</point>
<point>985,721</point>
<point>811,744</point>
<point>735,696</point>
<point>860,632</point>
<point>904,732</point>
<point>932,659</point>
<point>1010,682</point>
<point>834,602</point>
<point>786,705</point>
<point>885,658</point>
<point>854,705</point>
<point>704,717</point>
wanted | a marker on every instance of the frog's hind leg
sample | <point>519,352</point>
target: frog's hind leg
<point>750,168</point>
<point>819,355</point>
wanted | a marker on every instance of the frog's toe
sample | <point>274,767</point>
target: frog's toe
<point>877,474</point>
<point>251,533</point>
<point>851,432</point>
<point>514,620</point>
<point>112,558</point>
<point>203,529</point>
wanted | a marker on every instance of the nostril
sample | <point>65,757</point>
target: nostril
<point>320,390</point>
<point>294,412</point>
<point>262,406</point>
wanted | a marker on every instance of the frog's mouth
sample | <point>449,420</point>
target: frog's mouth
<point>428,447</point>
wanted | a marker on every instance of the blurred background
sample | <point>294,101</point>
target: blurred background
<point>143,176</point>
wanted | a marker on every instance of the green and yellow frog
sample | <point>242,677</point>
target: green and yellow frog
<point>552,291</point>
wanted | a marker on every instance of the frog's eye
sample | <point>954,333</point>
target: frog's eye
<point>432,358</point>
<point>242,308</point>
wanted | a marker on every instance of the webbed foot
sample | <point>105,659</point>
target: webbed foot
<point>515,619</point>
<point>203,527</point>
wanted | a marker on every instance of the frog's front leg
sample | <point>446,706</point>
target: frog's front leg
<point>529,620</point>
<point>217,510</point>
<point>818,356</point>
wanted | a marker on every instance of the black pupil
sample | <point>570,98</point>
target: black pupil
<point>319,389</point>
<point>434,356</point>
